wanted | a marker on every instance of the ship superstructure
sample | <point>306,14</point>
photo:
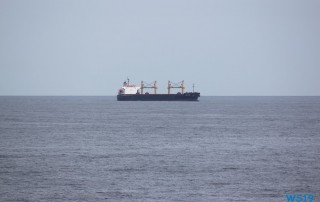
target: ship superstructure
<point>128,89</point>
<point>137,93</point>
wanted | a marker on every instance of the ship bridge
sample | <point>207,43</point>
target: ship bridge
<point>129,89</point>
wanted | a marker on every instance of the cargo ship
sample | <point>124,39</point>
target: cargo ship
<point>136,93</point>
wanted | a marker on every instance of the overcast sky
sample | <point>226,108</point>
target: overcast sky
<point>225,47</point>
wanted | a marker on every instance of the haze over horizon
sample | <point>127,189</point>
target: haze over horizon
<point>227,48</point>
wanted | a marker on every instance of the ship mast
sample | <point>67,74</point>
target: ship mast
<point>149,85</point>
<point>176,85</point>
<point>155,87</point>
<point>142,87</point>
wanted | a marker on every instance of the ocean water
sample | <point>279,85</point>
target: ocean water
<point>217,149</point>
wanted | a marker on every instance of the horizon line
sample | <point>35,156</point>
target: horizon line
<point>201,95</point>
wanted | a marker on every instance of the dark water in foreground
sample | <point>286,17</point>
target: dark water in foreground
<point>218,149</point>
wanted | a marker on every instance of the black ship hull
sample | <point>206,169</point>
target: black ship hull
<point>159,97</point>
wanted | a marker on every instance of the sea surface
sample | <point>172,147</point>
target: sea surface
<point>217,149</point>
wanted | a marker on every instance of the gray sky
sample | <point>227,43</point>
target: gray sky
<point>225,47</point>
